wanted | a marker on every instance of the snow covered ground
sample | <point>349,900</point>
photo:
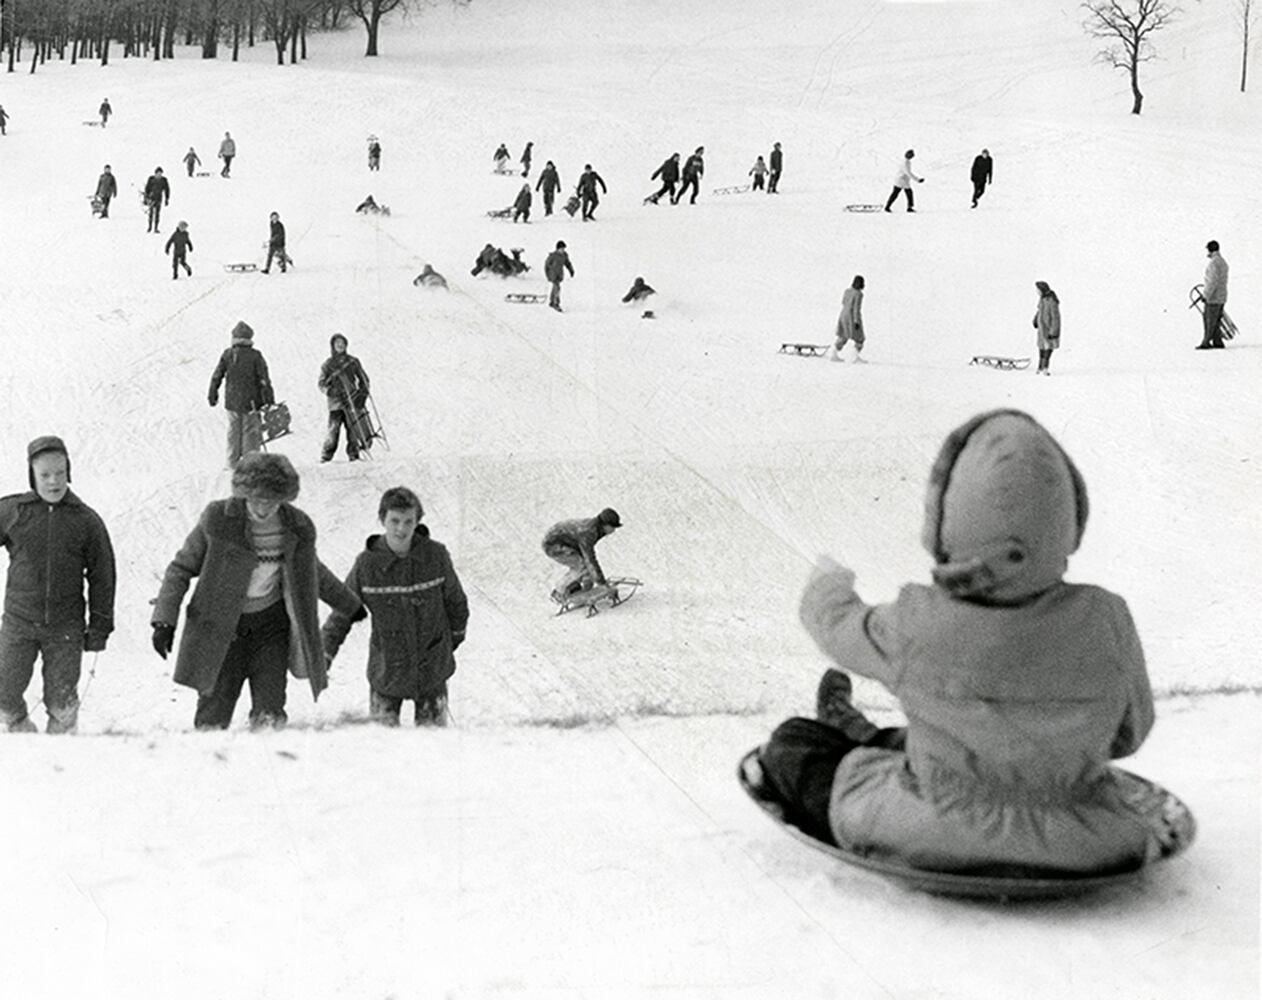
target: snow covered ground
<point>579,833</point>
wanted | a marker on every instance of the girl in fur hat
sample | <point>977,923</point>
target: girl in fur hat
<point>1018,688</point>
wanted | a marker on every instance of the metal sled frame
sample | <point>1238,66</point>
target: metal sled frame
<point>240,268</point>
<point>732,189</point>
<point>1003,364</point>
<point>266,438</point>
<point>1226,328</point>
<point>865,208</point>
<point>528,298</point>
<point>805,350</point>
<point>365,422</point>
<point>1180,830</point>
<point>500,213</point>
<point>618,590</point>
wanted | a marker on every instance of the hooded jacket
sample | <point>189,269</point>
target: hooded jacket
<point>248,385</point>
<point>1047,321</point>
<point>556,264</point>
<point>549,181</point>
<point>343,379</point>
<point>157,190</point>
<point>668,171</point>
<point>419,614</point>
<point>106,186</point>
<point>1215,290</point>
<point>53,549</point>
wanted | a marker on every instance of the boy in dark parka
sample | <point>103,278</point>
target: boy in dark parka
<point>181,243</point>
<point>550,183</point>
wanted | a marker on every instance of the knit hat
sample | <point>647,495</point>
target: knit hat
<point>610,517</point>
<point>243,331</point>
<point>263,475</point>
<point>335,338</point>
<point>1005,509</point>
<point>40,446</point>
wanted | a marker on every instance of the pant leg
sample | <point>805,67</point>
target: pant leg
<point>554,297</point>
<point>235,427</point>
<point>175,265</point>
<point>911,198</point>
<point>431,707</point>
<point>331,435</point>
<point>773,181</point>
<point>214,710</point>
<point>547,202</point>
<point>384,708</point>
<point>1212,319</point>
<point>105,208</point>
<point>17,664</point>
<point>267,634</point>
<point>758,182</point>
<point>251,433</point>
<point>798,764</point>
<point>889,202</point>
<point>63,663</point>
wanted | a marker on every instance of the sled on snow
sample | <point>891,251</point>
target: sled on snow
<point>275,422</point>
<point>98,206</point>
<point>865,208</point>
<point>1003,364</point>
<point>500,213</point>
<point>805,350</point>
<point>571,206</point>
<point>363,422</point>
<point>732,189</point>
<point>1226,328</point>
<point>1165,815</point>
<point>202,173</point>
<point>240,268</point>
<point>527,298</point>
<point>617,590</point>
<point>94,124</point>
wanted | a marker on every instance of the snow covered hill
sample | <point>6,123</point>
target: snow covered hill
<point>522,853</point>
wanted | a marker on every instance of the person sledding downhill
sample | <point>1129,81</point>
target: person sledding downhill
<point>345,383</point>
<point>573,544</point>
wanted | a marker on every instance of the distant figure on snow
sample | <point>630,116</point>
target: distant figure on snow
<point>759,172</point>
<point>276,244</point>
<point>521,205</point>
<point>157,193</point>
<point>549,183</point>
<point>369,206</point>
<point>525,159</point>
<point>501,159</point>
<point>179,245</point>
<point>586,191</point>
<point>105,111</point>
<point>902,182</point>
<point>573,544</point>
<point>192,160</point>
<point>247,389</point>
<point>227,150</point>
<point>850,322</point>
<point>639,291</point>
<point>668,172</point>
<point>1047,322</point>
<point>374,154</point>
<point>554,268</point>
<point>4,120</point>
<point>106,188</point>
<point>345,384</point>
<point>694,168</point>
<point>777,165</point>
<point>429,278</point>
<point>981,174</point>
<point>496,261</point>
<point>411,652</point>
<point>1215,293</point>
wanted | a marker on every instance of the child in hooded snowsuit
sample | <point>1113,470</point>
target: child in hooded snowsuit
<point>521,206</point>
<point>1018,687</point>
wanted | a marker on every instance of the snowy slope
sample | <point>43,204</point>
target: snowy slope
<point>731,465</point>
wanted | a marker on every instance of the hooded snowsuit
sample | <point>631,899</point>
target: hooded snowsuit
<point>345,383</point>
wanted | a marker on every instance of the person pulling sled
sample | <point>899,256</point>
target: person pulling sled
<point>345,383</point>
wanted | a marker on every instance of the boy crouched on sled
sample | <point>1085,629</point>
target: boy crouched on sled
<point>418,609</point>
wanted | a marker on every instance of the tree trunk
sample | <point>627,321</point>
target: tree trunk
<point>1244,56</point>
<point>373,24</point>
<point>236,40</point>
<point>293,41</point>
<point>1138,102</point>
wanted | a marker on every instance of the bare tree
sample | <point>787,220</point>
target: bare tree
<point>1128,25</point>
<point>1247,16</point>
<point>371,13</point>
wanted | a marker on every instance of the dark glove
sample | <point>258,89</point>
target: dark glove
<point>213,399</point>
<point>360,614</point>
<point>94,642</point>
<point>163,638</point>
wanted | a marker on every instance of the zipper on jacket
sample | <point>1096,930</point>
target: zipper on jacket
<point>48,566</point>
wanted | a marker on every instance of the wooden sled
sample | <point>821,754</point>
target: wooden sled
<point>500,213</point>
<point>202,173</point>
<point>617,590</point>
<point>1226,327</point>
<point>1161,810</point>
<point>275,420</point>
<point>732,189</point>
<point>93,124</point>
<point>805,350</point>
<point>525,298</point>
<point>865,208</point>
<point>240,268</point>
<point>1003,364</point>
<point>571,206</point>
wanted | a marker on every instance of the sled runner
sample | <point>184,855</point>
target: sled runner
<point>528,298</point>
<point>1197,297</point>
<point>93,124</point>
<point>363,423</point>
<point>1160,810</point>
<point>1003,364</point>
<point>240,268</point>
<point>571,206</point>
<point>500,213</point>
<point>733,189</point>
<point>864,208</point>
<point>618,590</point>
<point>202,173</point>
<point>275,420</point>
<point>806,350</point>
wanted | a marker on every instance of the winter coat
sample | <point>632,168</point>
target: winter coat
<point>556,264</point>
<point>668,171</point>
<point>4,116</point>
<point>850,321</point>
<point>276,238</point>
<point>248,385</point>
<point>1215,290</point>
<point>587,185</point>
<point>549,181</point>
<point>640,289</point>
<point>182,242</point>
<point>983,167</point>
<point>525,156</point>
<point>218,552</point>
<point>191,159</point>
<point>905,175</point>
<point>53,548</point>
<point>344,381</point>
<point>580,534</point>
<point>419,613</point>
<point>1047,321</point>
<point>502,155</point>
<point>759,168</point>
<point>777,159</point>
<point>522,202</point>
<point>694,166</point>
<point>105,110</point>
<point>1013,713</point>
<point>106,187</point>
<point>157,191</point>
<point>227,148</point>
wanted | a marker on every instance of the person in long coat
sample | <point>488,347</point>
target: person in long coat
<point>850,321</point>
<point>1047,322</point>
<point>253,615</point>
<point>668,172</point>
<point>549,183</point>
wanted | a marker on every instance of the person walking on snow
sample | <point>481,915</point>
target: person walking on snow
<point>247,389</point>
<point>192,160</point>
<point>981,174</point>
<point>573,544</point>
<point>554,268</point>
<point>57,544</point>
<point>345,383</point>
<point>419,614</point>
<point>1214,292</point>
<point>525,159</point>
<point>586,191</point>
<point>521,205</point>
<point>502,157</point>
<point>668,172</point>
<point>374,155</point>
<point>4,120</point>
<point>759,172</point>
<point>275,244</point>
<point>777,165</point>
<point>105,112</point>
<point>227,150</point>
<point>694,168</point>
<point>1047,322</point>
<point>850,322</point>
<point>903,182</point>
<point>182,244</point>
<point>549,183</point>
<point>106,189</point>
<point>254,614</point>
<point>157,192</point>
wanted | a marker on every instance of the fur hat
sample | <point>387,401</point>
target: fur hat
<point>40,446</point>
<point>243,332</point>
<point>262,475</point>
<point>610,517</point>
<point>1005,509</point>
